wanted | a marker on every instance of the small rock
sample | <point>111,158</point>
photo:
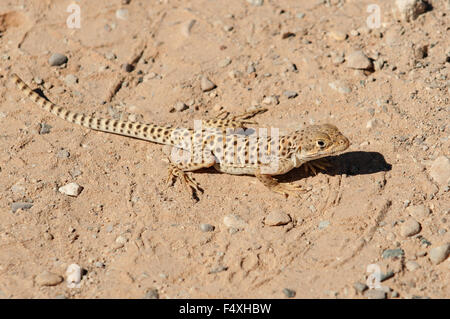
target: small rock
<point>75,172</point>
<point>372,123</point>
<point>440,171</point>
<point>300,15</point>
<point>338,35</point>
<point>411,265</point>
<point>360,287</point>
<point>338,59</point>
<point>20,205</point>
<point>206,227</point>
<point>251,69</point>
<point>110,56</point>
<point>289,292</point>
<point>277,218</point>
<point>57,59</point>
<point>386,276</point>
<point>73,275</point>
<point>44,128</point>
<point>418,211</point>
<point>290,94</point>
<point>358,60</point>
<point>206,84</point>
<point>122,14</point>
<point>439,254</point>
<point>63,154</point>
<point>218,269</point>
<point>256,3</point>
<point>70,79</point>
<point>71,189</point>
<point>187,27</point>
<point>127,67</point>
<point>340,87</point>
<point>410,9</point>
<point>393,253</point>
<point>375,294</point>
<point>324,224</point>
<point>225,62</point>
<point>152,294</point>
<point>48,279</point>
<point>38,81</point>
<point>234,221</point>
<point>180,107</point>
<point>410,227</point>
<point>271,100</point>
<point>99,264</point>
<point>121,240</point>
<point>421,52</point>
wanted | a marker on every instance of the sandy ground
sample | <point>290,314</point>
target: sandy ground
<point>384,203</point>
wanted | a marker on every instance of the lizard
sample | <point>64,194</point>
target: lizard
<point>242,152</point>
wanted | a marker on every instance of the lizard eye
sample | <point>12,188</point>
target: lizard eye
<point>320,143</point>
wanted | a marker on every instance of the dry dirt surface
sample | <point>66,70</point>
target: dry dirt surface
<point>380,212</point>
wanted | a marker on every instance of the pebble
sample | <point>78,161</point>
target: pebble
<point>20,205</point>
<point>206,84</point>
<point>418,211</point>
<point>218,269</point>
<point>38,81</point>
<point>421,52</point>
<point>289,292</point>
<point>256,3</point>
<point>300,15</point>
<point>324,224</point>
<point>338,59</point>
<point>63,154</point>
<point>411,265</point>
<point>358,60</point>
<point>206,227</point>
<point>360,287</point>
<point>180,107</point>
<point>152,293</point>
<point>410,9</point>
<point>110,56</point>
<point>75,172</point>
<point>440,171</point>
<point>121,240</point>
<point>71,189</point>
<point>277,218</point>
<point>70,79</point>
<point>338,35</point>
<point>392,253</point>
<point>271,100</point>
<point>290,94</point>
<point>375,294</point>
<point>73,275</point>
<point>122,14</point>
<point>99,264</point>
<point>48,279</point>
<point>340,87</point>
<point>44,128</point>
<point>57,59</point>
<point>372,123</point>
<point>234,221</point>
<point>251,69</point>
<point>439,254</point>
<point>409,228</point>
<point>225,62</point>
<point>187,27</point>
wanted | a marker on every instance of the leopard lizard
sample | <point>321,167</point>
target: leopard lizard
<point>216,145</point>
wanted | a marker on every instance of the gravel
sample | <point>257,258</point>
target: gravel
<point>418,211</point>
<point>234,221</point>
<point>277,218</point>
<point>20,205</point>
<point>409,228</point>
<point>375,294</point>
<point>289,292</point>
<point>439,254</point>
<point>440,171</point>
<point>152,293</point>
<point>358,60</point>
<point>57,59</point>
<point>47,278</point>
<point>393,253</point>
<point>206,227</point>
<point>290,94</point>
<point>340,87</point>
<point>70,79</point>
<point>71,189</point>
<point>206,84</point>
<point>44,128</point>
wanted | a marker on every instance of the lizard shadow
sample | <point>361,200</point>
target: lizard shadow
<point>351,164</point>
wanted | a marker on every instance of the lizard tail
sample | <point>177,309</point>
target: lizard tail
<point>148,132</point>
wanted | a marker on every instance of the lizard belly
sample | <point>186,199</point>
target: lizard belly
<point>234,169</point>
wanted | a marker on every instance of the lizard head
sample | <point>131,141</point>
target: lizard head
<point>318,141</point>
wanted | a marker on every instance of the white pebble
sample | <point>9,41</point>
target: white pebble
<point>122,14</point>
<point>440,171</point>
<point>439,254</point>
<point>234,221</point>
<point>277,218</point>
<point>73,275</point>
<point>71,189</point>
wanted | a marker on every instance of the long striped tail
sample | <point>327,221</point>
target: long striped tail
<point>149,132</point>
